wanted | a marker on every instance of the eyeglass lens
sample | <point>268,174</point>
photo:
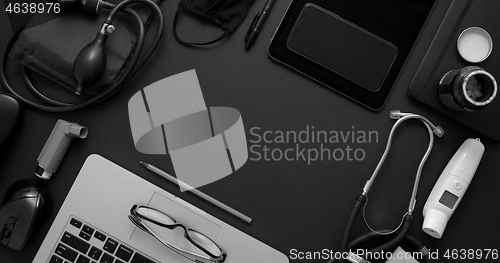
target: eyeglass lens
<point>155,215</point>
<point>197,237</point>
<point>205,242</point>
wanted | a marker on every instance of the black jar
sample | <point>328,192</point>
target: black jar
<point>467,89</point>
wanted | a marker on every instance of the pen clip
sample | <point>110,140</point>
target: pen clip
<point>252,26</point>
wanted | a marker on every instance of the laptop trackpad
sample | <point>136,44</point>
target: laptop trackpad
<point>183,213</point>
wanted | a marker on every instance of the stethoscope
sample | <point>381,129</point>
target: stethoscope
<point>401,232</point>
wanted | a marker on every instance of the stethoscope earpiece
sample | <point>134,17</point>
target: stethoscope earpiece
<point>436,129</point>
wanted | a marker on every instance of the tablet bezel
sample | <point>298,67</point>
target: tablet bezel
<point>278,51</point>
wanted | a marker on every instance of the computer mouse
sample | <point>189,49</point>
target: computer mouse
<point>26,205</point>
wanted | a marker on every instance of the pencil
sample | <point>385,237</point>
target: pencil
<point>197,192</point>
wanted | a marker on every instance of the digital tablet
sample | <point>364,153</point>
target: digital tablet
<point>342,47</point>
<point>392,25</point>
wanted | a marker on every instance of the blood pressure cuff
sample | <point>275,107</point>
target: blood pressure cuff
<point>49,44</point>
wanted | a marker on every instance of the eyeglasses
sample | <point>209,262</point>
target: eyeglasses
<point>204,243</point>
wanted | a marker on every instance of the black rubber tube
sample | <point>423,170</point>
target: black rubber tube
<point>135,65</point>
<point>360,200</point>
<point>402,234</point>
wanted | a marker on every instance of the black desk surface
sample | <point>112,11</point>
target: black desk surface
<point>294,205</point>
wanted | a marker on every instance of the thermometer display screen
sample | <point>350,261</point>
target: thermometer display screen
<point>448,199</point>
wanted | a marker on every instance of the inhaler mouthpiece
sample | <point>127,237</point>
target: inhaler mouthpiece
<point>435,223</point>
<point>56,146</point>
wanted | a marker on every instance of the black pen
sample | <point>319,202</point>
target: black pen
<point>257,24</point>
<point>197,192</point>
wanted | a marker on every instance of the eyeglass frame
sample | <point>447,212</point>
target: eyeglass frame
<point>136,218</point>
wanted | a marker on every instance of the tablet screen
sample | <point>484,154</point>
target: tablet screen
<point>342,47</point>
<point>395,21</point>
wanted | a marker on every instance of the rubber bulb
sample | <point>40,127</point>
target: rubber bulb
<point>90,63</point>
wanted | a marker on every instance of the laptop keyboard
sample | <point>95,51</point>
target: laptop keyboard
<point>83,243</point>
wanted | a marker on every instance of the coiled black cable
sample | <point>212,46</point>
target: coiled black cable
<point>135,63</point>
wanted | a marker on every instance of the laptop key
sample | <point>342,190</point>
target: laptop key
<point>100,236</point>
<point>138,258</point>
<point>56,259</point>
<point>124,253</point>
<point>107,258</point>
<point>76,223</point>
<point>95,253</point>
<point>83,259</point>
<point>110,246</point>
<point>66,252</point>
<point>84,235</point>
<point>75,242</point>
<point>100,249</point>
<point>87,229</point>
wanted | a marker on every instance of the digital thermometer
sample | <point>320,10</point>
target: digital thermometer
<point>451,186</point>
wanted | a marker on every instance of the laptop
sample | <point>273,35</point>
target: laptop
<point>93,226</point>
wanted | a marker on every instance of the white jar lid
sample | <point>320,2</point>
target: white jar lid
<point>474,44</point>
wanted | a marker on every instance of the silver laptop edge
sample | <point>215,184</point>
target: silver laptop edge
<point>103,194</point>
